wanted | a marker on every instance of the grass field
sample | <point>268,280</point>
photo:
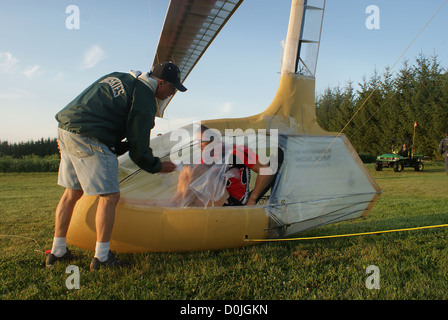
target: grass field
<point>411,264</point>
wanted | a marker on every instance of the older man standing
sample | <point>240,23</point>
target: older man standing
<point>90,134</point>
<point>443,150</point>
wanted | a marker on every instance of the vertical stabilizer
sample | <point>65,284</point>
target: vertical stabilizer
<point>293,107</point>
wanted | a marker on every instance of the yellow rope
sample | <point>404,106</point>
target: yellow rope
<point>347,235</point>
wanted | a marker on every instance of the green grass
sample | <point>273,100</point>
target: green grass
<point>413,264</point>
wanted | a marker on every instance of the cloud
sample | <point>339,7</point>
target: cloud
<point>9,95</point>
<point>8,63</point>
<point>92,56</point>
<point>13,94</point>
<point>227,108</point>
<point>58,76</point>
<point>31,72</point>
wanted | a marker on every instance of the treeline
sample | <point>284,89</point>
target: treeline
<point>388,105</point>
<point>40,148</point>
<point>31,156</point>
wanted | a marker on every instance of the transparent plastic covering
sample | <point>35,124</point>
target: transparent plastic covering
<point>316,179</point>
<point>310,37</point>
<point>201,175</point>
<point>321,181</point>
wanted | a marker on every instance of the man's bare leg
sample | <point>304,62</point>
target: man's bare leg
<point>104,223</point>
<point>105,216</point>
<point>64,211</point>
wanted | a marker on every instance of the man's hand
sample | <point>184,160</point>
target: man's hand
<point>251,201</point>
<point>167,166</point>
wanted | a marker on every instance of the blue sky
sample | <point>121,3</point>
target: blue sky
<point>44,65</point>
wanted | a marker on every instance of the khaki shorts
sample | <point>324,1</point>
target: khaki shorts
<point>87,164</point>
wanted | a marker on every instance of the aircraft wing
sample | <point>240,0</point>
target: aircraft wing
<point>189,28</point>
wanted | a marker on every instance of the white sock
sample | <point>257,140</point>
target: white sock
<point>102,251</point>
<point>59,247</point>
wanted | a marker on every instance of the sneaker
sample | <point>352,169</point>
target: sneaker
<point>110,262</point>
<point>51,258</point>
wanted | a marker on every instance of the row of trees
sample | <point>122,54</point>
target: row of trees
<point>388,106</point>
<point>41,148</point>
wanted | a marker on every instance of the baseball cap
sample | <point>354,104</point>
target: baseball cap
<point>169,72</point>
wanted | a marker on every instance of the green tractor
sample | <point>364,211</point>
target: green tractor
<point>402,155</point>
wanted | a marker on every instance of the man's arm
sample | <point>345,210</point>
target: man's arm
<point>260,183</point>
<point>139,124</point>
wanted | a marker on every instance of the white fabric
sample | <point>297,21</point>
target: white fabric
<point>320,182</point>
<point>146,79</point>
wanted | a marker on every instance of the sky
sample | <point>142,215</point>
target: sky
<point>47,59</point>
